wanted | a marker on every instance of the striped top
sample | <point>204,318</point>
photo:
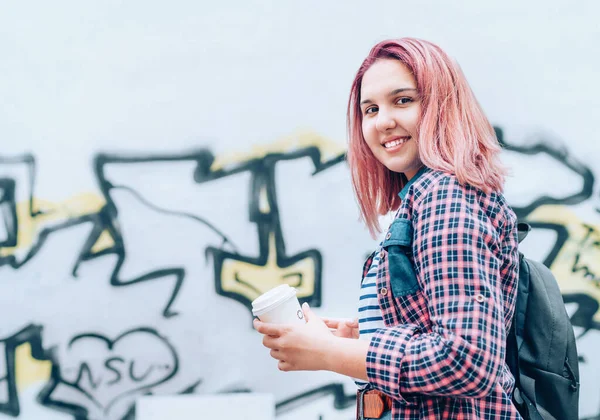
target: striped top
<point>370,317</point>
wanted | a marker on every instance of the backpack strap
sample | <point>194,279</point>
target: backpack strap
<point>523,297</point>
<point>524,405</point>
<point>523,385</point>
<point>518,324</point>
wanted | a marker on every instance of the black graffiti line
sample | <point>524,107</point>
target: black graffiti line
<point>29,160</point>
<point>110,216</point>
<point>562,156</point>
<point>562,236</point>
<point>84,368</point>
<point>108,365</point>
<point>178,273</point>
<point>341,400</point>
<point>237,279</point>
<point>140,378</point>
<point>43,235</point>
<point>8,211</point>
<point>263,178</point>
<point>77,411</point>
<point>181,214</point>
<point>31,334</point>
<point>587,273</point>
<point>204,159</point>
<point>583,317</point>
<point>190,389</point>
<point>118,249</point>
<point>98,228</point>
<point>8,200</point>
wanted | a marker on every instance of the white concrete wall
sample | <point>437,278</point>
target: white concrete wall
<point>137,135</point>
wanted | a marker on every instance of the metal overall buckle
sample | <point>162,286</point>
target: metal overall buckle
<point>360,403</point>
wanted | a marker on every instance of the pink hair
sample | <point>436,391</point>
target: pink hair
<point>454,135</point>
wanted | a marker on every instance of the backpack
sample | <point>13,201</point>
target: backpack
<point>541,351</point>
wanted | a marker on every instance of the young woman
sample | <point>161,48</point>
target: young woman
<point>438,294</point>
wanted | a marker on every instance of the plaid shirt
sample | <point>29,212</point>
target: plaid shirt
<point>441,355</point>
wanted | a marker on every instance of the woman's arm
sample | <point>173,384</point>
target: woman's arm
<point>314,346</point>
<point>456,261</point>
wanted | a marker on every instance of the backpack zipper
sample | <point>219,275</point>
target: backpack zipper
<point>574,384</point>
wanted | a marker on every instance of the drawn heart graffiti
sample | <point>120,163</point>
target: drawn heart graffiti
<point>108,370</point>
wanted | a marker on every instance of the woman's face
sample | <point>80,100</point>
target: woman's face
<point>390,110</point>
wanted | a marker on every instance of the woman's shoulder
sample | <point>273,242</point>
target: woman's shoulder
<point>434,181</point>
<point>444,190</point>
<point>430,182</point>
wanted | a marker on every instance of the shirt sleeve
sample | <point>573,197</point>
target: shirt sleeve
<point>456,251</point>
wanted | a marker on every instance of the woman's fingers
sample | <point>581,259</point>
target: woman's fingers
<point>353,323</point>
<point>331,323</point>
<point>275,330</point>
<point>270,342</point>
<point>284,366</point>
<point>275,354</point>
<point>335,322</point>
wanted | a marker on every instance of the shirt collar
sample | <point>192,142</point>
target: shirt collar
<point>420,172</point>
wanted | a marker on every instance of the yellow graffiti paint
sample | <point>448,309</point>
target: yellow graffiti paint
<point>52,213</point>
<point>28,370</point>
<point>105,241</point>
<point>255,280</point>
<point>580,249</point>
<point>288,144</point>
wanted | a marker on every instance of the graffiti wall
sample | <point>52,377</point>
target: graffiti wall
<point>161,168</point>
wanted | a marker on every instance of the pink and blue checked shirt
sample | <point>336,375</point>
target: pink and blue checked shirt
<point>446,285</point>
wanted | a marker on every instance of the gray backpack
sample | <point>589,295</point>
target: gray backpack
<point>541,351</point>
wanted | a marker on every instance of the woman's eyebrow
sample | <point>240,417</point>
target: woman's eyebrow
<point>397,91</point>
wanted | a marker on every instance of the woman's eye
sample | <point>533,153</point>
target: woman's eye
<point>404,100</point>
<point>371,110</point>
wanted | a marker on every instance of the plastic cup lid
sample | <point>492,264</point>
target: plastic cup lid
<point>273,298</point>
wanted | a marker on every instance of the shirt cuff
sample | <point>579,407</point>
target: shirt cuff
<point>384,359</point>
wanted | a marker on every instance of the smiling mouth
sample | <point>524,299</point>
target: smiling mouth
<point>396,142</point>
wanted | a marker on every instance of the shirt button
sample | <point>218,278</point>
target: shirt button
<point>480,298</point>
<point>383,291</point>
<point>388,236</point>
<point>381,254</point>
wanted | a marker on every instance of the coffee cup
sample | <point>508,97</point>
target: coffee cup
<point>279,306</point>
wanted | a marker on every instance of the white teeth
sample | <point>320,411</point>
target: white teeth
<point>395,143</point>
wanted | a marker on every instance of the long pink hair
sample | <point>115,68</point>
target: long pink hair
<point>454,135</point>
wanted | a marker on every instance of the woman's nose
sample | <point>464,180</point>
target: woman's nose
<point>385,121</point>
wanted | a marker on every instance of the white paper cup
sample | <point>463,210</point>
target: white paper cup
<point>279,306</point>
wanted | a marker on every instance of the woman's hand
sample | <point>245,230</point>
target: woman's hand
<point>344,328</point>
<point>299,347</point>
